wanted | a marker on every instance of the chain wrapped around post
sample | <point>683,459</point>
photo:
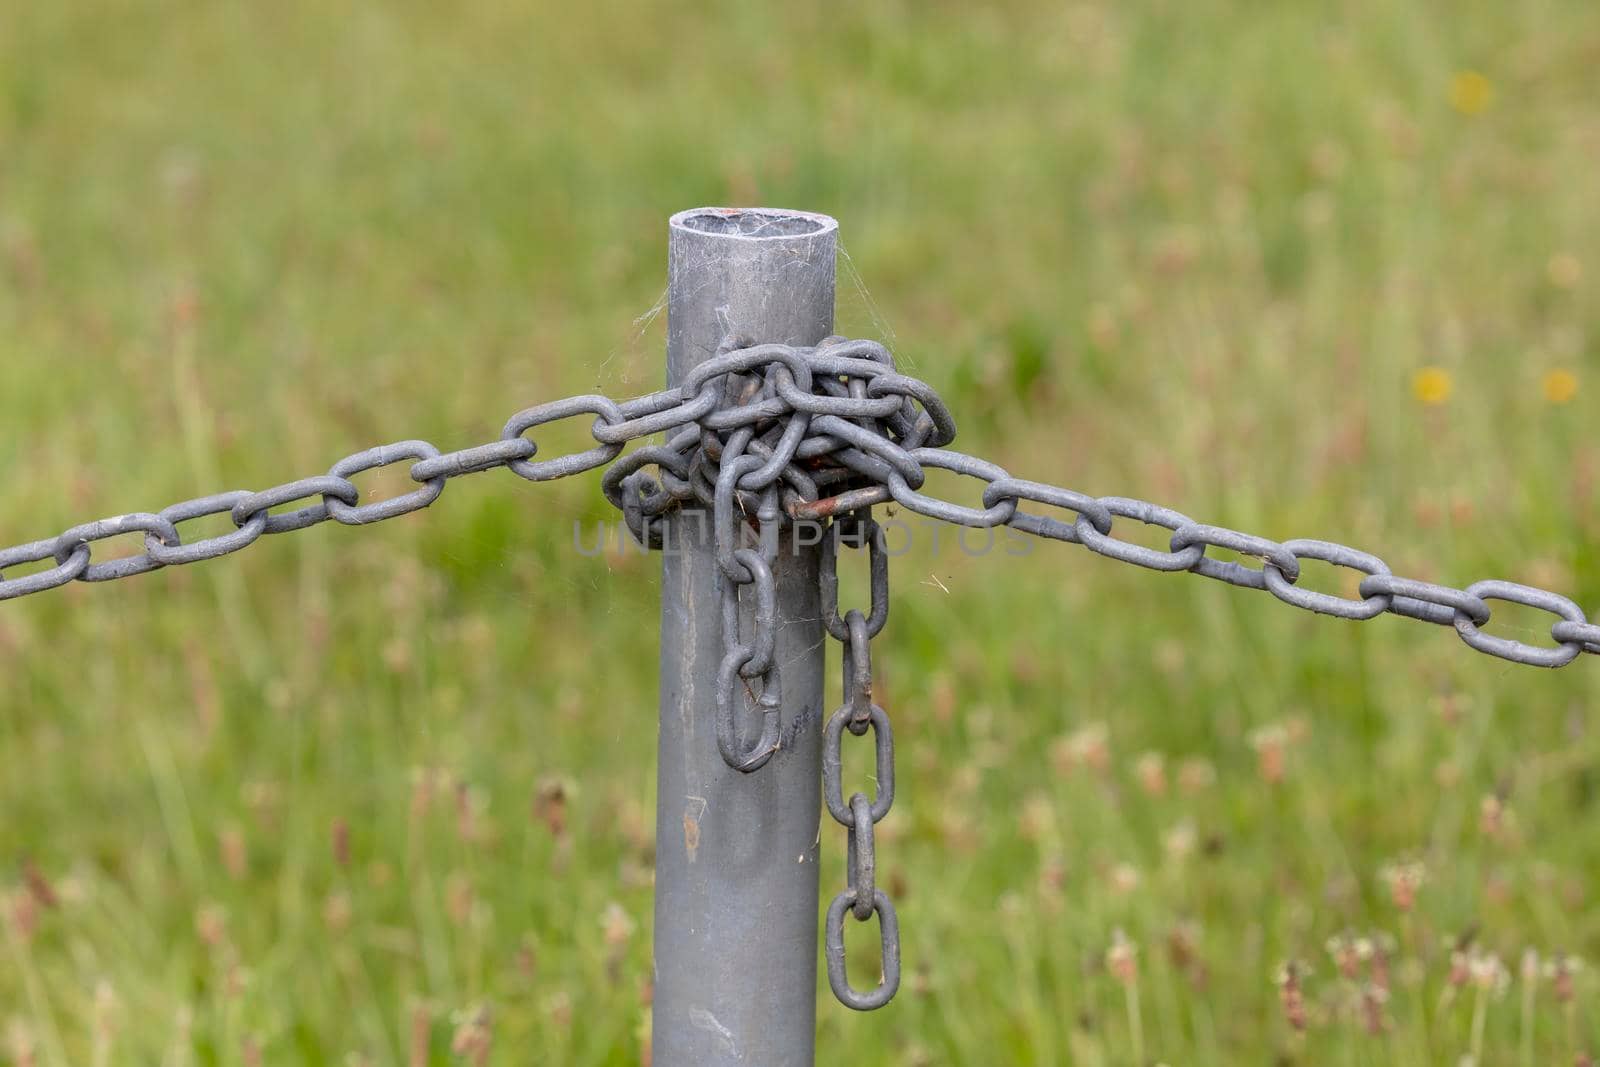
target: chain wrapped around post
<point>831,429</point>
<point>768,435</point>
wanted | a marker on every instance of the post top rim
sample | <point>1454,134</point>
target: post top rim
<point>753,223</point>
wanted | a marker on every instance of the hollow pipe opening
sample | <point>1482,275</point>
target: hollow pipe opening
<point>753,223</point>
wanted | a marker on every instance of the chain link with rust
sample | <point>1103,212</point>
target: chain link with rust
<point>875,459</point>
<point>872,457</point>
<point>860,814</point>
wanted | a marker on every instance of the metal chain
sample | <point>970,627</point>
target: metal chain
<point>738,567</point>
<point>335,496</point>
<point>830,429</point>
<point>783,434</point>
<point>858,714</point>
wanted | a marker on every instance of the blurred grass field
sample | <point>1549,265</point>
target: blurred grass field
<point>384,796</point>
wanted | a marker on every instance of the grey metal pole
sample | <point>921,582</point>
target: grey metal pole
<point>736,853</point>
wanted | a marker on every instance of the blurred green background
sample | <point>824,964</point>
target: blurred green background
<point>384,796</point>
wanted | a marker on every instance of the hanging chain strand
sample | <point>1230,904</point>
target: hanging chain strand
<point>858,714</point>
<point>739,567</point>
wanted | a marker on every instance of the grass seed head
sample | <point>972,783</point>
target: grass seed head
<point>616,925</point>
<point>1122,958</point>
<point>1151,771</point>
<point>1346,959</point>
<point>1088,747</point>
<point>1124,879</point>
<point>1374,1009</point>
<point>1291,994</point>
<point>1562,970</point>
<point>1403,881</point>
<point>1180,841</point>
<point>550,805</point>
<point>1271,744</point>
<point>1487,972</point>
<point>473,1039</point>
<point>1196,775</point>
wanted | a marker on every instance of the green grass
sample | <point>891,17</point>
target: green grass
<point>285,808</point>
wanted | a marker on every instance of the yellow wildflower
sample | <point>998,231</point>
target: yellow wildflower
<point>1560,386</point>
<point>1470,92</point>
<point>1431,385</point>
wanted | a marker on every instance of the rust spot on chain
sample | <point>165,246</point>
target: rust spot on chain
<point>833,505</point>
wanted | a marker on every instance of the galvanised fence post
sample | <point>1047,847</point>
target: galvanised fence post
<point>736,853</point>
<point>766,416</point>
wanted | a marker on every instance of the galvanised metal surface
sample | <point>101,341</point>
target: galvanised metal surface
<point>736,852</point>
<point>772,430</point>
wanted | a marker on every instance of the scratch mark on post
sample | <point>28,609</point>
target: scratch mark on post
<point>704,1020</point>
